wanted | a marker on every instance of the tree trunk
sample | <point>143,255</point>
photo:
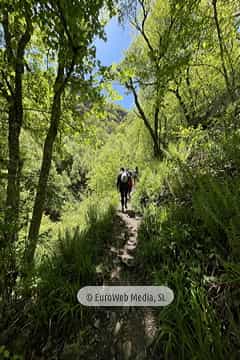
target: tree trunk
<point>15,60</point>
<point>221,47</point>
<point>157,151</point>
<point>15,119</point>
<point>13,193</point>
<point>153,132</point>
<point>45,170</point>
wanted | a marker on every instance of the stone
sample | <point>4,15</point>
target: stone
<point>117,328</point>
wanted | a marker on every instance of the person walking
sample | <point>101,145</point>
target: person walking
<point>122,186</point>
<point>130,184</point>
<point>135,176</point>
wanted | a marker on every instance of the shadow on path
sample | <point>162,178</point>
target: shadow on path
<point>127,331</point>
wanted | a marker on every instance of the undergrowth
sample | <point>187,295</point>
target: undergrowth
<point>43,324</point>
<point>189,240</point>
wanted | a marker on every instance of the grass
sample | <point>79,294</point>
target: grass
<point>189,241</point>
<point>74,216</point>
<point>66,262</point>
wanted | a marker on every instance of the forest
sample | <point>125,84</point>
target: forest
<point>63,140</point>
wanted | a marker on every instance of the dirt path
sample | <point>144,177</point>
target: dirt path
<point>126,331</point>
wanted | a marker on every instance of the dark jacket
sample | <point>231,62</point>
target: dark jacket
<point>120,185</point>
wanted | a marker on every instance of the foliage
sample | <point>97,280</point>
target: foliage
<point>189,241</point>
<point>5,354</point>
<point>71,263</point>
<point>183,70</point>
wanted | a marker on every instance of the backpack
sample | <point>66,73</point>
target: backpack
<point>124,177</point>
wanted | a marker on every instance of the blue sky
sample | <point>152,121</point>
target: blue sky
<point>112,51</point>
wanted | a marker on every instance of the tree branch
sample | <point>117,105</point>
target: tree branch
<point>141,28</point>
<point>156,120</point>
<point>131,87</point>
<point>7,37</point>
<point>221,46</point>
<point>182,104</point>
<point>25,38</point>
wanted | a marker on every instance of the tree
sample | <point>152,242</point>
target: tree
<point>209,84</point>
<point>68,29</point>
<point>17,22</point>
<point>71,34</point>
<point>161,50</point>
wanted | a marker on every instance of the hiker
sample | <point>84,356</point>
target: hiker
<point>130,184</point>
<point>135,176</point>
<point>122,186</point>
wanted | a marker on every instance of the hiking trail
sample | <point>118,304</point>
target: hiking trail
<point>123,333</point>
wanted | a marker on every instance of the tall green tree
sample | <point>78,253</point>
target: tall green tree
<point>161,50</point>
<point>188,49</point>
<point>70,29</point>
<point>209,84</point>
<point>17,22</point>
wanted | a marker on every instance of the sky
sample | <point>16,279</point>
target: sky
<point>112,51</point>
